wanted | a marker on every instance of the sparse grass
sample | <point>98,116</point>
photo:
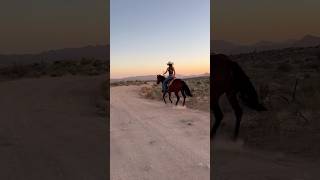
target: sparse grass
<point>128,83</point>
<point>284,67</point>
<point>151,92</point>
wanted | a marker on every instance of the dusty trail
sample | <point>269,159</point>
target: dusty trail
<point>50,129</point>
<point>151,140</point>
<point>232,160</point>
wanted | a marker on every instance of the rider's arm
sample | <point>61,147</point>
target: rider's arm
<point>165,72</point>
<point>174,73</point>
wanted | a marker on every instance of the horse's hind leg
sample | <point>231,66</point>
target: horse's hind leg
<point>178,97</point>
<point>237,111</point>
<point>184,97</point>
<point>170,97</point>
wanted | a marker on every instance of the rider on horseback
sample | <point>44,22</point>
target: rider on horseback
<point>172,74</point>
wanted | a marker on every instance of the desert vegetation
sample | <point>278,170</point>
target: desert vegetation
<point>128,83</point>
<point>54,69</point>
<point>287,82</point>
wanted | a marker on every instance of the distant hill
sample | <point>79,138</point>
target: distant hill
<point>100,52</point>
<point>226,47</point>
<point>307,41</point>
<point>136,78</point>
<point>153,77</point>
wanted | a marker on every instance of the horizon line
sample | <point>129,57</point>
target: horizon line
<point>131,76</point>
<point>54,49</point>
<point>264,40</point>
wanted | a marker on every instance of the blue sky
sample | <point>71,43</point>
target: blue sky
<point>145,34</point>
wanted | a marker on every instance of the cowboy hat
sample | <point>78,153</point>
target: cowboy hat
<point>170,63</point>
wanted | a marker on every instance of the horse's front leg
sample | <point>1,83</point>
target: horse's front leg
<point>237,111</point>
<point>218,118</point>
<point>216,111</point>
<point>178,97</point>
<point>170,97</point>
<point>164,98</point>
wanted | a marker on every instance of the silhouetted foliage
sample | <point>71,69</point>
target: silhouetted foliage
<point>89,67</point>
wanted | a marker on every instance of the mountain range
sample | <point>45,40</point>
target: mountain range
<point>227,47</point>
<point>97,52</point>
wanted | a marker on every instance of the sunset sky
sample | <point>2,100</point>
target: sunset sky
<point>38,25</point>
<point>249,21</point>
<point>145,34</point>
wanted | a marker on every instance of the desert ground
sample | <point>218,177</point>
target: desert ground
<point>280,143</point>
<point>153,140</point>
<point>53,128</point>
<point>230,160</point>
<point>235,160</point>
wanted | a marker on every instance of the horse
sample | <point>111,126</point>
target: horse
<point>227,77</point>
<point>176,85</point>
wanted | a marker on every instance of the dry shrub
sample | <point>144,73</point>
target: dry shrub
<point>54,69</point>
<point>285,67</point>
<point>151,92</point>
<point>128,83</point>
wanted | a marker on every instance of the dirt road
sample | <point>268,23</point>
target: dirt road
<point>233,160</point>
<point>154,141</point>
<point>50,129</point>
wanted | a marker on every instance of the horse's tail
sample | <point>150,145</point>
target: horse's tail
<point>248,94</point>
<point>186,89</point>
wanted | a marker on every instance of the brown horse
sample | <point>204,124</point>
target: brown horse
<point>176,86</point>
<point>228,78</point>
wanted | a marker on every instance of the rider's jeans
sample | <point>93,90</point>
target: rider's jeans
<point>165,82</point>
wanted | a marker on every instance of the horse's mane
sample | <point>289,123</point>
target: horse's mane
<point>248,94</point>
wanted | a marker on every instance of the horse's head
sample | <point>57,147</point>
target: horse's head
<point>160,78</point>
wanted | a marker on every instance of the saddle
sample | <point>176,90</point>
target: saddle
<point>170,82</point>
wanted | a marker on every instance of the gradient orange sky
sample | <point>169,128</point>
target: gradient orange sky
<point>146,34</point>
<point>249,21</point>
<point>183,66</point>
